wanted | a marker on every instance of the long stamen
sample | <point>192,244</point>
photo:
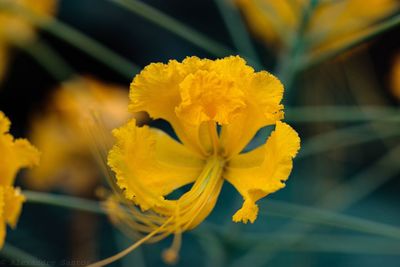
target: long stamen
<point>129,249</point>
<point>170,255</point>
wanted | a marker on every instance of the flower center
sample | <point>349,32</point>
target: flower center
<point>205,96</point>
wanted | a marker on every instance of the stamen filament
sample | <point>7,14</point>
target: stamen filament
<point>129,249</point>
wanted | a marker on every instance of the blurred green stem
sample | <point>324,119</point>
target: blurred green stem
<point>91,47</point>
<point>49,59</point>
<point>346,137</point>
<point>288,64</point>
<point>18,257</point>
<point>327,243</point>
<point>169,23</point>
<point>77,39</point>
<point>319,216</point>
<point>325,114</point>
<point>63,201</point>
<point>275,208</point>
<point>238,32</point>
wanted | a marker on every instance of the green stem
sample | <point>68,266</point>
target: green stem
<point>341,114</point>
<point>18,257</point>
<point>319,216</point>
<point>288,64</point>
<point>318,243</point>
<point>348,136</point>
<point>164,21</point>
<point>273,207</point>
<point>48,59</point>
<point>78,40</point>
<point>91,47</point>
<point>63,201</point>
<point>238,32</point>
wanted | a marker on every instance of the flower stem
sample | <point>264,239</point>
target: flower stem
<point>164,21</point>
<point>76,39</point>
<point>237,30</point>
<point>63,201</point>
<point>19,257</point>
<point>49,59</point>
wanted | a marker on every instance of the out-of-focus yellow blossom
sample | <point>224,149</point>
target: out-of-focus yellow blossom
<point>15,154</point>
<point>215,108</point>
<point>395,77</point>
<point>332,23</point>
<point>60,134</point>
<point>16,29</point>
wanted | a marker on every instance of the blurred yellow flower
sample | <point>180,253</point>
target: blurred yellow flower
<point>332,23</point>
<point>61,134</point>
<point>15,154</point>
<point>15,29</point>
<point>215,108</point>
<point>395,77</point>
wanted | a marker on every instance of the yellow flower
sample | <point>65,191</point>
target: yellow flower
<point>332,23</point>
<point>15,154</point>
<point>215,108</point>
<point>61,135</point>
<point>16,29</point>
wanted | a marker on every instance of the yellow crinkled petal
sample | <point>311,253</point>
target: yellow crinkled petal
<point>17,153</point>
<point>225,91</point>
<point>264,93</point>
<point>156,91</point>
<point>27,155</point>
<point>11,201</point>
<point>206,96</point>
<point>149,164</point>
<point>4,123</point>
<point>255,182</point>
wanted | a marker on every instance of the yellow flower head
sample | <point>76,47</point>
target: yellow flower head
<point>14,27</point>
<point>215,108</point>
<point>61,135</point>
<point>15,154</point>
<point>332,23</point>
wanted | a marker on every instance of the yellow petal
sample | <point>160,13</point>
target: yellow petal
<point>207,96</point>
<point>17,153</point>
<point>4,123</point>
<point>84,107</point>
<point>11,201</point>
<point>264,93</point>
<point>255,182</point>
<point>156,91</point>
<point>149,164</point>
<point>225,91</point>
<point>17,28</point>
